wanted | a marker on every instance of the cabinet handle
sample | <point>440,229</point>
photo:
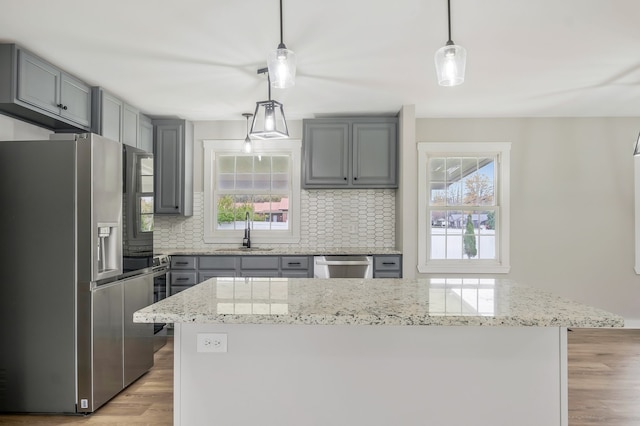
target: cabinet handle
<point>293,263</point>
<point>62,106</point>
<point>182,279</point>
<point>345,178</point>
<point>355,178</point>
<point>182,263</point>
<point>388,263</point>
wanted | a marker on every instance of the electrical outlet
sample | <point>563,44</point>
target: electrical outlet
<point>212,342</point>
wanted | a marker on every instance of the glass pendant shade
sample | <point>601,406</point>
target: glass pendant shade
<point>282,67</point>
<point>247,148</point>
<point>269,121</point>
<point>450,65</point>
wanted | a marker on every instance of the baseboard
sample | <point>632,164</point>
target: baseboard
<point>632,323</point>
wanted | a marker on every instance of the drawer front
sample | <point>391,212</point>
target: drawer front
<point>292,273</point>
<point>203,276</point>
<point>217,262</point>
<point>387,274</point>
<point>182,278</point>
<point>386,263</point>
<point>259,262</point>
<point>266,273</point>
<point>183,262</point>
<point>294,262</point>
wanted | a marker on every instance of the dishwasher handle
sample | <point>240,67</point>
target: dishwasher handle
<point>343,262</point>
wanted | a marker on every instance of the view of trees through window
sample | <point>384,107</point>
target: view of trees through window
<point>254,184</point>
<point>462,207</point>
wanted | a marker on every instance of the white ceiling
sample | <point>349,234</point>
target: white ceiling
<point>197,59</point>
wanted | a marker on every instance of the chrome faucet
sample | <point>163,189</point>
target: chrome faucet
<point>246,241</point>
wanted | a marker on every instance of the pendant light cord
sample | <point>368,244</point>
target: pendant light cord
<point>281,37</point>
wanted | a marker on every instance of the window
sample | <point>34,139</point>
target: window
<point>463,223</point>
<point>264,184</point>
<point>144,194</point>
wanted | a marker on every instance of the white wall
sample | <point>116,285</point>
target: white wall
<point>12,129</point>
<point>572,205</point>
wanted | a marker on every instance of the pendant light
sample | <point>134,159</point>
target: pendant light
<point>268,120</point>
<point>282,63</point>
<point>247,146</point>
<point>636,151</point>
<point>450,60</point>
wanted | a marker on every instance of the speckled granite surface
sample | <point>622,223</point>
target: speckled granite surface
<point>435,302</point>
<point>279,251</point>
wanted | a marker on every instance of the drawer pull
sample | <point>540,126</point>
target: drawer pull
<point>182,279</point>
<point>388,263</point>
<point>182,263</point>
<point>293,263</point>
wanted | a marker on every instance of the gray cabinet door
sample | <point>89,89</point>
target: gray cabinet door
<point>374,154</point>
<point>130,124</point>
<point>169,160</point>
<point>38,82</point>
<point>173,160</point>
<point>145,139</point>
<point>111,118</point>
<point>75,98</point>
<point>326,154</point>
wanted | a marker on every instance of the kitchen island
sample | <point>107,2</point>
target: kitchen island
<point>370,352</point>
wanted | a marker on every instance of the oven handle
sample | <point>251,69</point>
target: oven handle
<point>342,262</point>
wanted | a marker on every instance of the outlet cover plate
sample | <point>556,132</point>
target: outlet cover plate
<point>212,342</point>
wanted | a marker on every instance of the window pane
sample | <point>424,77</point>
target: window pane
<point>146,184</point>
<point>232,210</point>
<point>438,246</point>
<point>262,164</point>
<point>280,182</point>
<point>244,164</point>
<point>146,204</point>
<point>225,181</point>
<point>146,222</point>
<point>438,194</point>
<point>437,168</point>
<point>271,212</point>
<point>262,181</point>
<point>146,166</point>
<point>226,164</point>
<point>244,181</point>
<point>454,245</point>
<point>438,221</point>
<point>280,164</point>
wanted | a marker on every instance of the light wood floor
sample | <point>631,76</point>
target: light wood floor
<point>604,387</point>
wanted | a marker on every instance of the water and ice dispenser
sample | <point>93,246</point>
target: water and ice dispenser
<point>107,253</point>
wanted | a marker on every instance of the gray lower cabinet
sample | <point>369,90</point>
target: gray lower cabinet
<point>350,153</point>
<point>33,90</point>
<point>173,161</point>
<point>138,337</point>
<point>387,266</point>
<point>187,271</point>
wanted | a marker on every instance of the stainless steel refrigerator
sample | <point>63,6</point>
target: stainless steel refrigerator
<point>64,310</point>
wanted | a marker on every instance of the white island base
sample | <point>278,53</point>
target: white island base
<point>281,374</point>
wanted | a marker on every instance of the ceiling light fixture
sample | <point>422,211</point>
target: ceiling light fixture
<point>282,63</point>
<point>636,151</point>
<point>270,122</point>
<point>450,60</point>
<point>247,146</point>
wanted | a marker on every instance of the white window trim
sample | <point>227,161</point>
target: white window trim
<point>636,185</point>
<point>502,150</point>
<point>211,147</point>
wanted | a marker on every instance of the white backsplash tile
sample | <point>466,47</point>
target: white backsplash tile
<point>330,218</point>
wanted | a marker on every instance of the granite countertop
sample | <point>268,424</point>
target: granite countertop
<point>435,302</point>
<point>277,251</point>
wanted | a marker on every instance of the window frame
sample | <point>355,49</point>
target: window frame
<point>501,150</point>
<point>291,148</point>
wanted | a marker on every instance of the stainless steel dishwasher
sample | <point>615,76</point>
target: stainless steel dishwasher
<point>343,266</point>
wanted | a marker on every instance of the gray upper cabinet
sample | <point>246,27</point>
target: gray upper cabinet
<point>145,138</point>
<point>115,119</point>
<point>173,160</point>
<point>350,153</point>
<point>130,125</point>
<point>33,90</point>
